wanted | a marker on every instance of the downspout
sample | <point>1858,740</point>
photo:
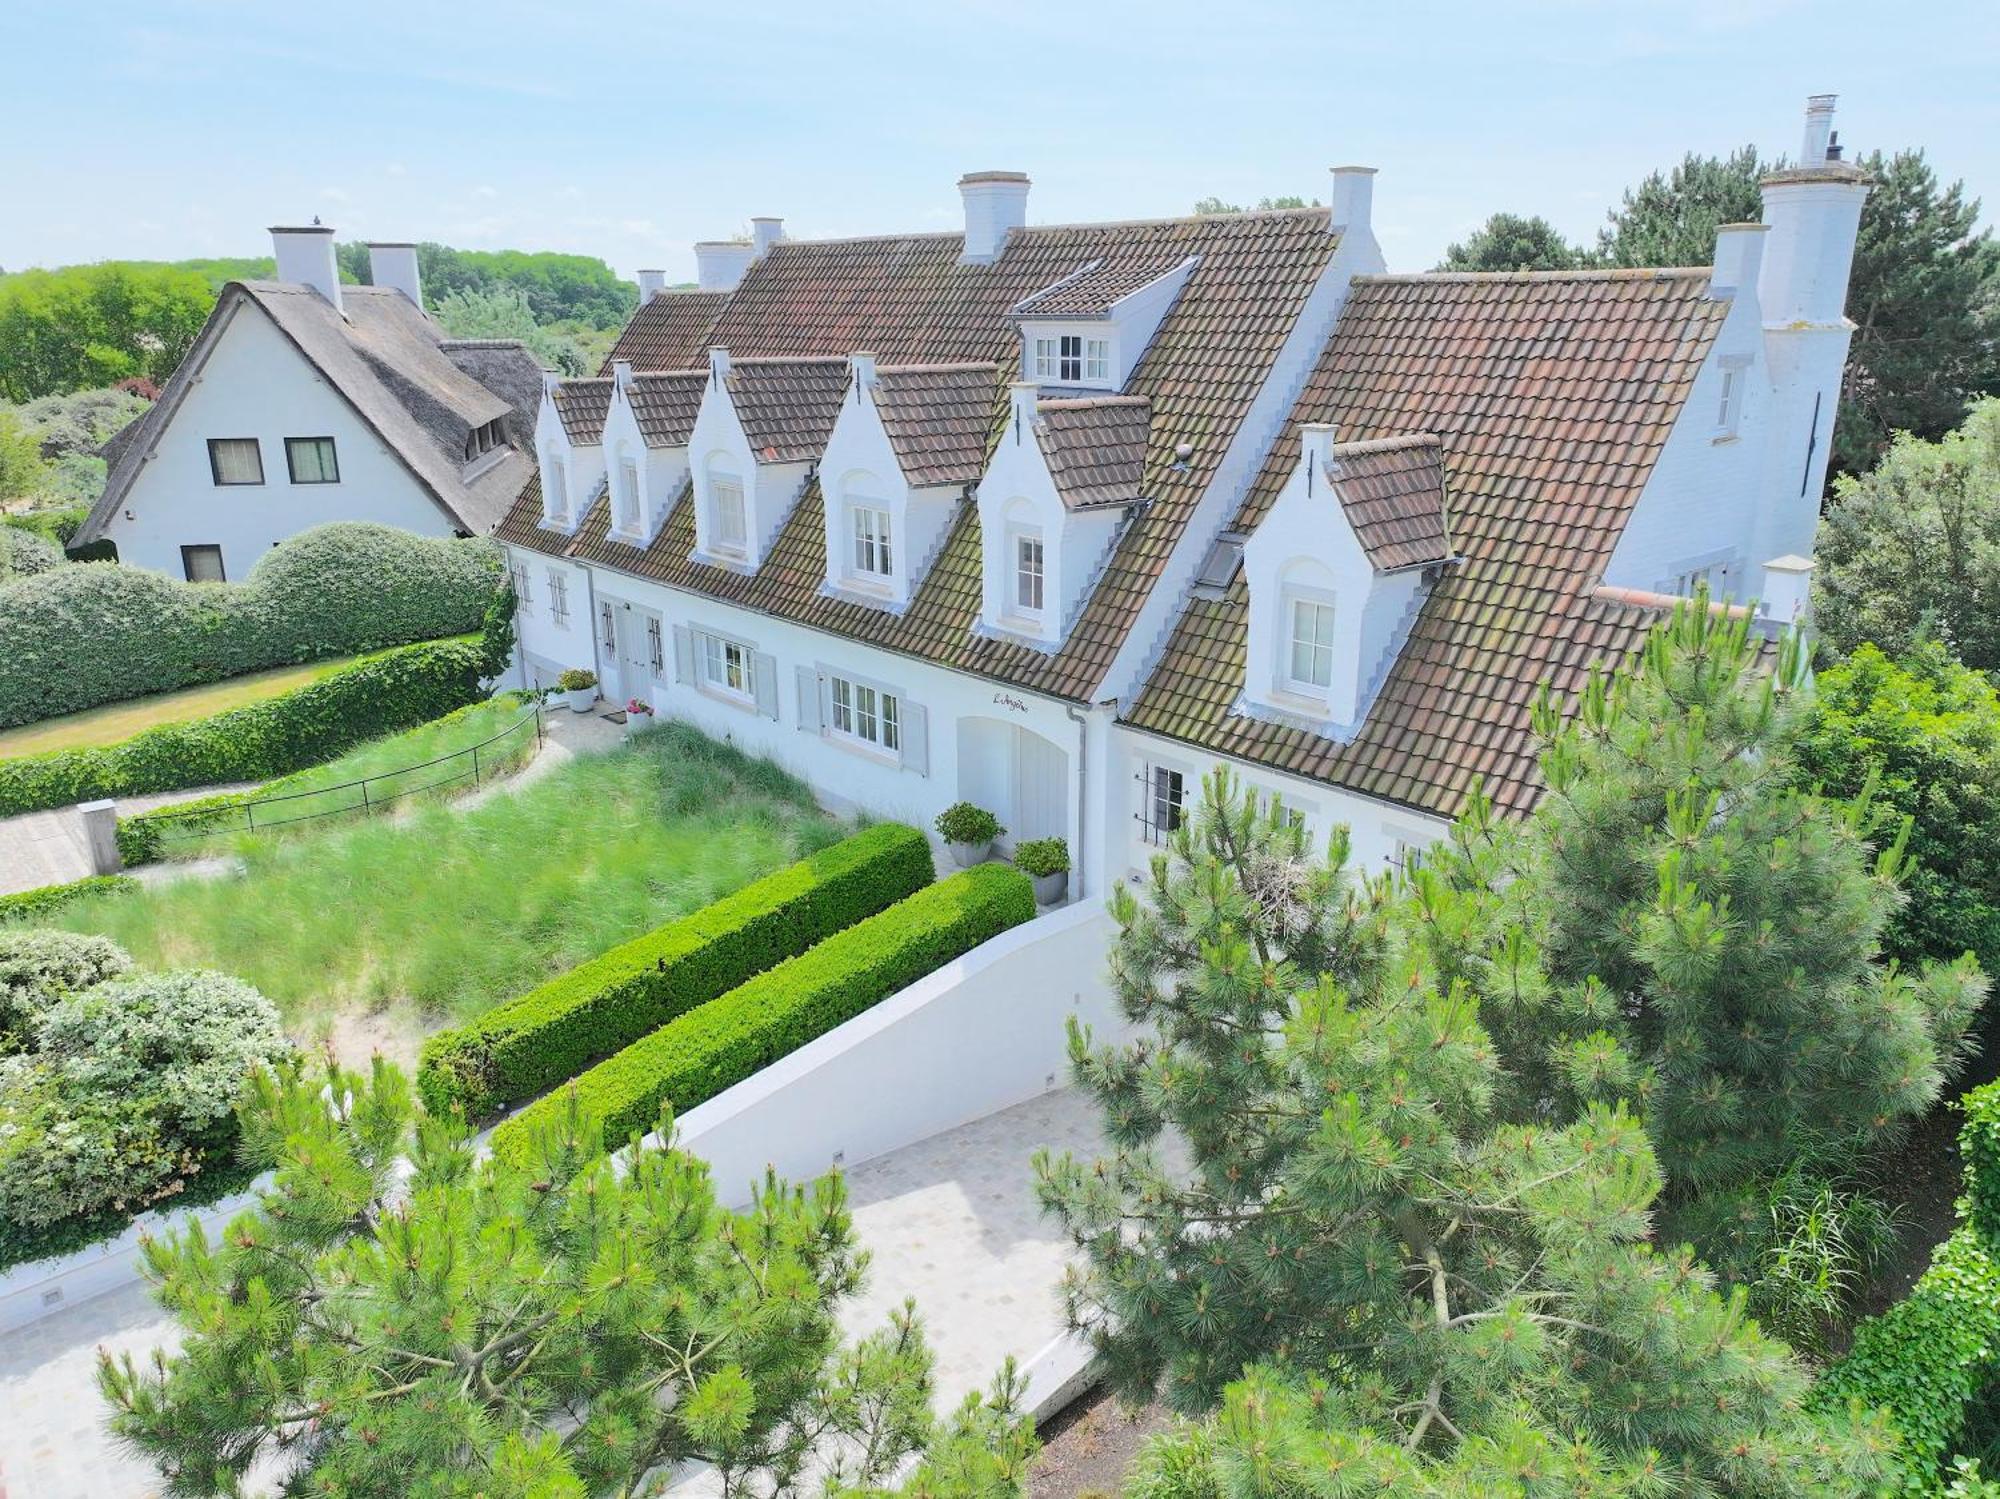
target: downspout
<point>1082,722</point>
<point>596,645</point>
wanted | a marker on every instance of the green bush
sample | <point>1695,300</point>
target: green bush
<point>23,554</point>
<point>39,966</point>
<point>99,633</point>
<point>550,1034</point>
<point>377,695</point>
<point>24,905</point>
<point>962,822</point>
<point>1042,856</point>
<point>735,1035</point>
<point>1932,1355</point>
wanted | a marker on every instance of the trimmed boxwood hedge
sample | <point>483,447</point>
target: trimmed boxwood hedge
<point>100,633</point>
<point>44,899</point>
<point>731,1037</point>
<point>550,1034</point>
<point>376,695</point>
<point>1929,1358</point>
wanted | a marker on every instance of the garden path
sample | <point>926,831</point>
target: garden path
<point>48,848</point>
<point>950,1220</point>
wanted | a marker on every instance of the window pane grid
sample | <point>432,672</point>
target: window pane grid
<point>871,541</point>
<point>235,460</point>
<point>731,531</point>
<point>863,712</point>
<point>1028,574</point>
<point>656,648</point>
<point>311,460</point>
<point>1312,644</point>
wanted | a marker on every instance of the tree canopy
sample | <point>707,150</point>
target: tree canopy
<point>1508,242</point>
<point>94,325</point>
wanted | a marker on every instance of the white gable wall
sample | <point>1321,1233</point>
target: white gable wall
<point>1016,495</point>
<point>255,383</point>
<point>860,462</point>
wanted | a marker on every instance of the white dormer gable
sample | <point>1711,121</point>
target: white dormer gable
<point>1335,572</point>
<point>756,440</point>
<point>625,464</point>
<point>571,462</point>
<point>1089,330</point>
<point>646,434</point>
<point>725,478</point>
<point>1058,486</point>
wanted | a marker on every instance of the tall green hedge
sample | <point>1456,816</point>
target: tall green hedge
<point>45,900</point>
<point>550,1034</point>
<point>99,632</point>
<point>720,1043</point>
<point>1932,1355</point>
<point>379,694</point>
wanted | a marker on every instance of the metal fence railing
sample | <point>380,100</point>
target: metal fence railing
<point>374,793</point>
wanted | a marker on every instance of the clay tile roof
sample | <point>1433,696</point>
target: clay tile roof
<point>666,404</point>
<point>1095,448</point>
<point>1393,494</point>
<point>670,332</point>
<point>583,405</point>
<point>787,406</point>
<point>939,418</point>
<point>1090,291</point>
<point>910,299</point>
<point>1552,394</point>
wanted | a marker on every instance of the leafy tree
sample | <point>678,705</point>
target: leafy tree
<point>1912,548</point>
<point>1923,735</point>
<point>1451,1288</point>
<point>21,466</point>
<point>562,1328</point>
<point>1680,925</point>
<point>92,325</point>
<point>1508,242</point>
<point>503,312</point>
<point>1264,205</point>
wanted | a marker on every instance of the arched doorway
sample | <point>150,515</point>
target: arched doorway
<point>1022,776</point>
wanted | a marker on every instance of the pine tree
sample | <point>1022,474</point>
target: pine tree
<point>1351,1208</point>
<point>559,1330</point>
<point>1508,242</point>
<point>1671,217</point>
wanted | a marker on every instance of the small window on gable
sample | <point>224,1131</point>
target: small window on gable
<point>1028,572</point>
<point>869,551</point>
<point>1072,359</point>
<point>235,460</point>
<point>728,519</point>
<point>1309,656</point>
<point>628,496</point>
<point>484,439</point>
<point>555,488</point>
<point>311,460</point>
<point>1729,400</point>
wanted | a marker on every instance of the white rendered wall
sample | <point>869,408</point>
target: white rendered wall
<point>547,647</point>
<point>256,384</point>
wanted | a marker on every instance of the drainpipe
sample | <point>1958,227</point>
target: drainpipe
<point>1082,722</point>
<point>596,645</point>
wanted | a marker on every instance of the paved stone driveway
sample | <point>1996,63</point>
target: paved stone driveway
<point>951,1220</point>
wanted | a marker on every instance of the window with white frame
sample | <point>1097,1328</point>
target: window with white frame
<point>1713,575</point>
<point>607,626</point>
<point>726,512</point>
<point>522,598</point>
<point>1073,359</point>
<point>558,599</point>
<point>1162,802</point>
<point>555,484</point>
<point>1309,647</point>
<point>865,713</point>
<point>1729,399</point>
<point>656,647</point>
<point>726,666</point>
<point>1029,560</point>
<point>869,554</point>
<point>628,496</point>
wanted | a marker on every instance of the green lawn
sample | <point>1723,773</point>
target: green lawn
<point>116,721</point>
<point>435,916</point>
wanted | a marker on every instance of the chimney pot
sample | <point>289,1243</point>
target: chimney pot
<point>651,284</point>
<point>764,233</point>
<point>1787,588</point>
<point>996,204</point>
<point>305,258</point>
<point>1316,441</point>
<point>1353,198</point>
<point>720,263</point>
<point>1819,130</point>
<point>393,263</point>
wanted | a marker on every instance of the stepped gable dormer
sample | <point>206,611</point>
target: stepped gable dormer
<point>1088,330</point>
<point>1064,476</point>
<point>908,444</point>
<point>646,433</point>
<point>757,439</point>
<point>569,446</point>
<point>1335,571</point>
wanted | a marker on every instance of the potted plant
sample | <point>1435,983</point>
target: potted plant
<point>580,687</point>
<point>969,831</point>
<point>1046,862</point>
<point>638,715</point>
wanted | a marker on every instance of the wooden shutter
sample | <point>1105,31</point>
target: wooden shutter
<point>764,678</point>
<point>809,714</point>
<point>916,730</point>
<point>683,654</point>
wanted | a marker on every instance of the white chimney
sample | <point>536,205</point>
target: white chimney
<point>621,374</point>
<point>305,258</point>
<point>651,284</point>
<point>1739,252</point>
<point>718,365</point>
<point>1353,198</point>
<point>1787,588</point>
<point>1022,399</point>
<point>720,263</point>
<point>1814,214</point>
<point>1819,129</point>
<point>862,366</point>
<point>995,204</point>
<point>393,264</point>
<point>1316,440</point>
<point>764,233</point>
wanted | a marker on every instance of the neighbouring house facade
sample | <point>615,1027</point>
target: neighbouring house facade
<point>304,401</point>
<point>1053,518</point>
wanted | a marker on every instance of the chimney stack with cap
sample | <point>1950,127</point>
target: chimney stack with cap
<point>305,258</point>
<point>996,204</point>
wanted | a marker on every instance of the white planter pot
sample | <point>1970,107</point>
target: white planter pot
<point>965,855</point>
<point>1050,888</point>
<point>580,701</point>
<point>634,722</point>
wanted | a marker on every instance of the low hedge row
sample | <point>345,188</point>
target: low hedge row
<point>100,633</point>
<point>735,1035</point>
<point>1932,1356</point>
<point>377,695</point>
<point>43,899</point>
<point>550,1034</point>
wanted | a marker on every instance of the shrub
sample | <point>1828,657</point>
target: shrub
<point>126,1086</point>
<point>1042,856</point>
<point>377,695</point>
<point>552,1033</point>
<point>98,633</point>
<point>23,554</point>
<point>735,1035</point>
<point>576,679</point>
<point>45,899</point>
<point>37,967</point>
<point>962,822</point>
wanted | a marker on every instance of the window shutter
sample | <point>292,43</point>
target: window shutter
<point>683,654</point>
<point>810,718</point>
<point>764,678</point>
<point>916,727</point>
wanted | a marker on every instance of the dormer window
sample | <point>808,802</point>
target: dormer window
<point>1309,663</point>
<point>484,439</point>
<point>1072,359</point>
<point>1029,569</point>
<point>725,491</point>
<point>871,558</point>
<point>626,496</point>
<point>555,489</point>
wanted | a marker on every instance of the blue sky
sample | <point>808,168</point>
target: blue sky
<point>173,128</point>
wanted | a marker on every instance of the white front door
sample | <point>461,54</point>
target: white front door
<point>1041,788</point>
<point>636,652</point>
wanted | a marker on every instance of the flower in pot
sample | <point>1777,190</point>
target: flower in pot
<point>580,687</point>
<point>1046,862</point>
<point>969,831</point>
<point>638,714</point>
